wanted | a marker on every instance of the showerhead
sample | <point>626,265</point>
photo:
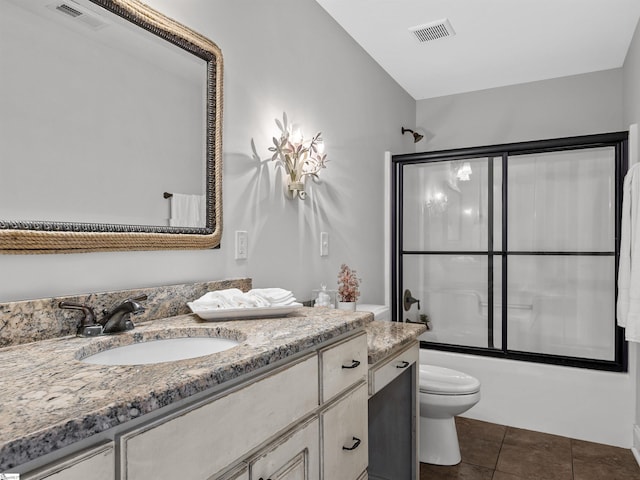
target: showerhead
<point>416,136</point>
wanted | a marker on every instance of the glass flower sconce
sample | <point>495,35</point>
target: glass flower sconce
<point>436,203</point>
<point>300,158</point>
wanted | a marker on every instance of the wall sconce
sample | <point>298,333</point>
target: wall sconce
<point>464,172</point>
<point>416,136</point>
<point>437,203</point>
<point>300,158</point>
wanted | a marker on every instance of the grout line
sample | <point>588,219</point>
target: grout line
<point>573,474</point>
<point>500,449</point>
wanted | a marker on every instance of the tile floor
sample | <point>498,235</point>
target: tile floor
<point>496,452</point>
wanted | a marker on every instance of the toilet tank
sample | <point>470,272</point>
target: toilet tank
<point>380,312</point>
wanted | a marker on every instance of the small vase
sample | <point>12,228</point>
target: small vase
<point>350,306</point>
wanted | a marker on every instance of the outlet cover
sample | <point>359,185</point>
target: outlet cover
<point>242,244</point>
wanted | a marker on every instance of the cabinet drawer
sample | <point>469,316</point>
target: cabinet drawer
<point>204,440</point>
<point>381,376</point>
<point>345,442</point>
<point>296,455</point>
<point>343,365</point>
<point>97,463</point>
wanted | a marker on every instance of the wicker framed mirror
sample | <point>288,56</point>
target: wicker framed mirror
<point>26,231</point>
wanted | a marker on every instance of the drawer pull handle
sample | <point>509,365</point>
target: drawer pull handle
<point>354,364</point>
<point>403,364</point>
<point>356,444</point>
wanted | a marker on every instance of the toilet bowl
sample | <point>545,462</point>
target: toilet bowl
<point>444,393</point>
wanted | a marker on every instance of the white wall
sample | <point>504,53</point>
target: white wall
<point>562,107</point>
<point>281,55</point>
<point>631,84</point>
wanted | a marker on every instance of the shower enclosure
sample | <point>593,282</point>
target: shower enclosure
<point>512,250</point>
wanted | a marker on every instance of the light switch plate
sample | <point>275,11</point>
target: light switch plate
<point>242,244</point>
<point>324,244</point>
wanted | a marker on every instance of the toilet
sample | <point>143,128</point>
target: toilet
<point>444,393</point>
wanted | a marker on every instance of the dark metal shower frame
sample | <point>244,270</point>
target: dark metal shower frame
<point>617,140</point>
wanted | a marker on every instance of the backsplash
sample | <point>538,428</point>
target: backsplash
<point>32,320</point>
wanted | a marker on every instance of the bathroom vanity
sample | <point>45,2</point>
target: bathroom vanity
<point>289,402</point>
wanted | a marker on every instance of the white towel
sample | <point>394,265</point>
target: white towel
<point>628,304</point>
<point>274,296</point>
<point>188,210</point>
<point>235,298</point>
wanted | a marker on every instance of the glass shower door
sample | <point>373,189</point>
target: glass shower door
<point>561,252</point>
<point>447,241</point>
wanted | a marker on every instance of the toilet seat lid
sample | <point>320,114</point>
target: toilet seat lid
<point>446,381</point>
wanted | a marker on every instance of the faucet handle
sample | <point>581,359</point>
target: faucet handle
<point>88,326</point>
<point>408,300</point>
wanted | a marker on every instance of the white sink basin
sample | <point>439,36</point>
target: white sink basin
<point>158,351</point>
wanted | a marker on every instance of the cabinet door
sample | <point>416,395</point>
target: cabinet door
<point>97,464</point>
<point>294,456</point>
<point>205,440</point>
<point>345,440</point>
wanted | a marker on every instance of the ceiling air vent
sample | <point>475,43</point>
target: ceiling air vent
<point>433,30</point>
<point>75,13</point>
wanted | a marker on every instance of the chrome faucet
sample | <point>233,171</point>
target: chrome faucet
<point>117,319</point>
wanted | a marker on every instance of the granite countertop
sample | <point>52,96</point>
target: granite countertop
<point>384,338</point>
<point>50,399</point>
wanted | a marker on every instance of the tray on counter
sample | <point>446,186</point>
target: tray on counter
<point>244,312</point>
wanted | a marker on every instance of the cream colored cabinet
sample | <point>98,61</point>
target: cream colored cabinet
<point>240,472</point>
<point>206,439</point>
<point>343,365</point>
<point>295,456</point>
<point>388,369</point>
<point>345,436</point>
<point>97,464</point>
<point>344,416</point>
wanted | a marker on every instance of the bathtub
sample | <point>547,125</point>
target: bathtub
<point>578,403</point>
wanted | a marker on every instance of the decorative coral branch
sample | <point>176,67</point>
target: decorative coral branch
<point>348,284</point>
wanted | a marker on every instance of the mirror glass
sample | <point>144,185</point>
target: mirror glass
<point>102,121</point>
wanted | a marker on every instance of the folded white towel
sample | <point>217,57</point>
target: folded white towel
<point>274,296</point>
<point>219,299</point>
<point>235,298</point>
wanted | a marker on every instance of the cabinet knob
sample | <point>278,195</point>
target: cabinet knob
<point>354,364</point>
<point>403,364</point>
<point>356,444</point>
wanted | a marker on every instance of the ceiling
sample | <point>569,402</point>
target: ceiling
<point>496,42</point>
